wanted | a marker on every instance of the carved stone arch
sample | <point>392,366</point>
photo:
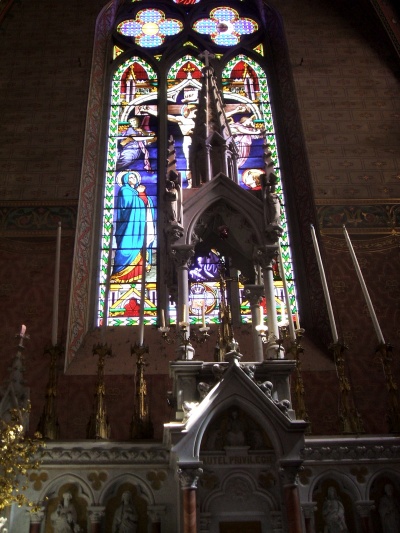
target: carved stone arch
<point>81,498</point>
<point>140,496</point>
<point>347,491</point>
<point>253,410</point>
<point>112,487</point>
<point>51,488</point>
<point>222,190</point>
<point>376,490</point>
<point>218,218</point>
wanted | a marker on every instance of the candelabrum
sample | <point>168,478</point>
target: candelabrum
<point>141,425</point>
<point>184,338</point>
<point>393,415</point>
<point>295,350</point>
<point>98,426</point>
<point>349,417</point>
<point>48,424</point>
<point>274,344</point>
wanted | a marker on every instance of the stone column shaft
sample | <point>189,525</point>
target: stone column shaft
<point>289,471</point>
<point>254,293</point>
<point>189,476</point>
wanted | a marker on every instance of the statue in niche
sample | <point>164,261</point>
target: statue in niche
<point>333,513</point>
<point>235,435</point>
<point>126,517</point>
<point>174,196</point>
<point>388,511</point>
<point>64,518</point>
<point>271,199</point>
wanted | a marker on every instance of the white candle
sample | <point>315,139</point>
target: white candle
<point>261,315</point>
<point>56,288</point>
<point>203,314</point>
<point>325,287</point>
<point>162,318</point>
<point>107,286</point>
<point>292,333</point>
<point>143,288</point>
<point>23,329</point>
<point>377,328</point>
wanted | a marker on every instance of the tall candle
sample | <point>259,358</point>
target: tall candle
<point>162,318</point>
<point>56,292</point>
<point>203,314</point>
<point>143,288</point>
<point>325,287</point>
<point>23,329</point>
<point>184,314</point>
<point>107,285</point>
<point>292,333</point>
<point>375,322</point>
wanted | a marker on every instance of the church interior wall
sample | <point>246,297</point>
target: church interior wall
<point>345,73</point>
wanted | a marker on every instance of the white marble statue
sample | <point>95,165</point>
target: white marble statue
<point>125,518</point>
<point>389,511</point>
<point>64,518</point>
<point>333,513</point>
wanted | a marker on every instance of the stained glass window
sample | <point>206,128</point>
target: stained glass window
<point>149,28</point>
<point>248,108</point>
<point>130,200</point>
<point>225,26</point>
<point>129,255</point>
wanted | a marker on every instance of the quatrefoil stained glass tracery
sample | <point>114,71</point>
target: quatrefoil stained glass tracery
<point>150,28</point>
<point>225,26</point>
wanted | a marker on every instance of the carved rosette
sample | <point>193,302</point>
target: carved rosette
<point>189,477</point>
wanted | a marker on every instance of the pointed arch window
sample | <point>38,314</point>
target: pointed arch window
<point>146,87</point>
<point>130,199</point>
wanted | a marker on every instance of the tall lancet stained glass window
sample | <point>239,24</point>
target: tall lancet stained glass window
<point>128,272</point>
<point>248,109</point>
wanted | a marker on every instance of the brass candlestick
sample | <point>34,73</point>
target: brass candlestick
<point>295,350</point>
<point>98,426</point>
<point>141,426</point>
<point>393,415</point>
<point>48,424</point>
<point>350,418</point>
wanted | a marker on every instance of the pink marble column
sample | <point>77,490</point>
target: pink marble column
<point>364,508</point>
<point>96,514</point>
<point>36,521</point>
<point>289,471</point>
<point>308,513</point>
<point>188,477</point>
<point>155,513</point>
